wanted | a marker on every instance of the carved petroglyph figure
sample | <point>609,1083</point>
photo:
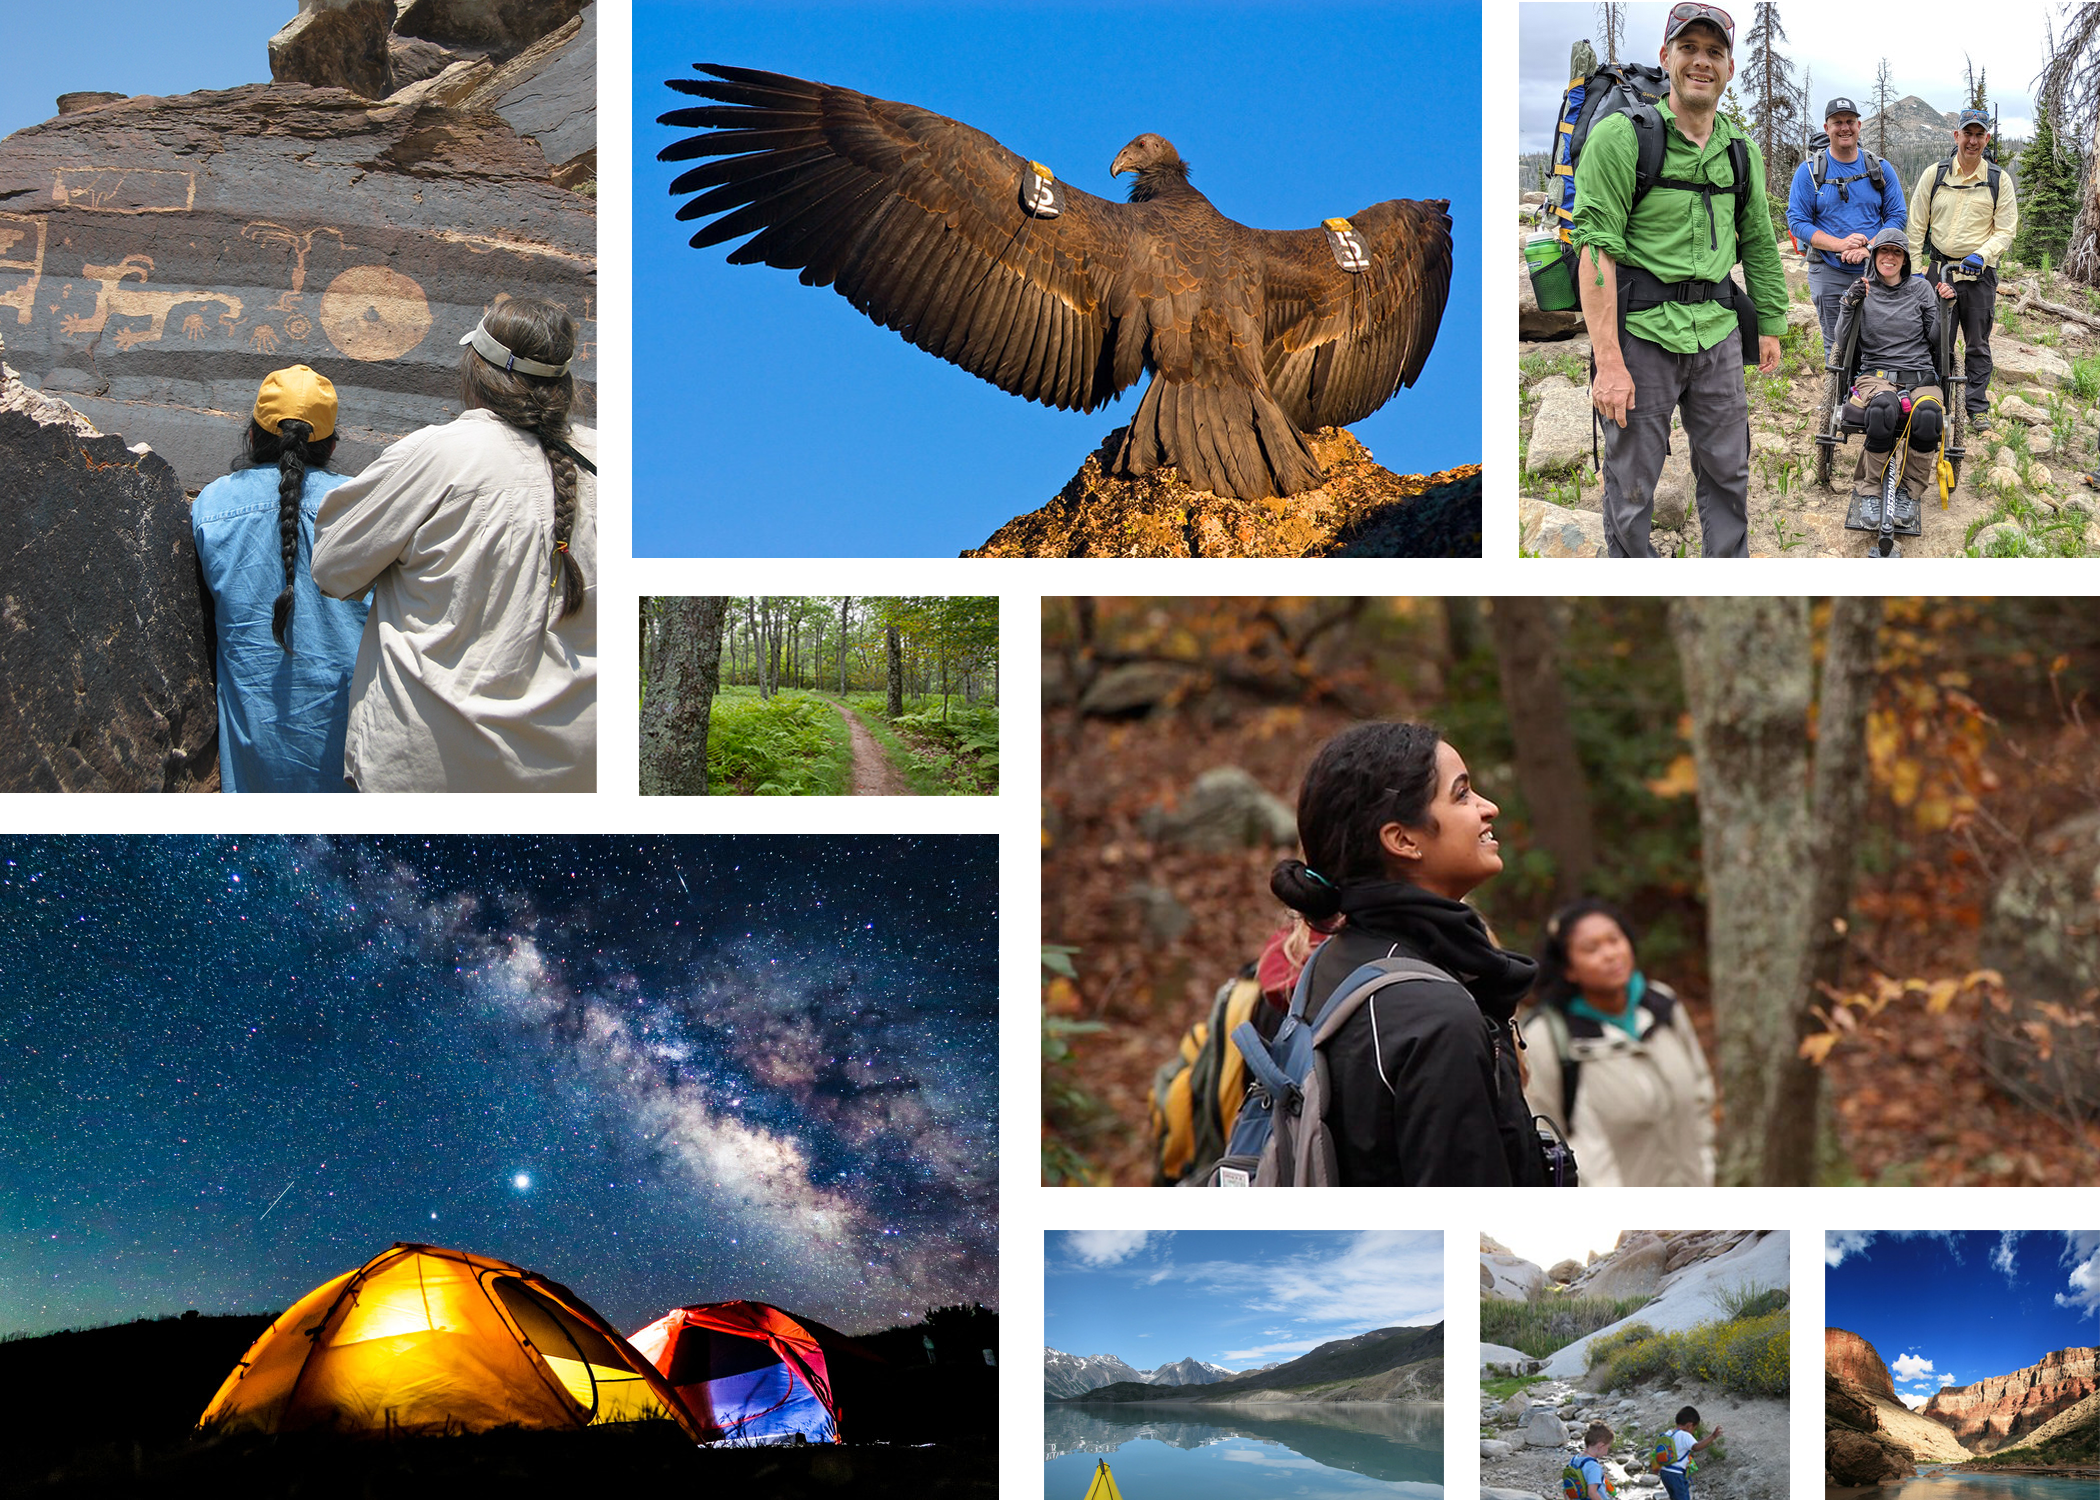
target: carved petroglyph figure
<point>372,313</point>
<point>263,232</point>
<point>14,229</point>
<point>263,339</point>
<point>193,327</point>
<point>119,301</point>
<point>124,190</point>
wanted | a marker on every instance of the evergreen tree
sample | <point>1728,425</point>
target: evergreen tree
<point>2048,178</point>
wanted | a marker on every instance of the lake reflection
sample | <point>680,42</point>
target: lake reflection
<point>1953,1484</point>
<point>1165,1450</point>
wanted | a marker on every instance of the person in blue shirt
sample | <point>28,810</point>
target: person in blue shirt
<point>285,651</point>
<point>1836,222</point>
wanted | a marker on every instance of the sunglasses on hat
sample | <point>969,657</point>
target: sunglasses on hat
<point>1682,16</point>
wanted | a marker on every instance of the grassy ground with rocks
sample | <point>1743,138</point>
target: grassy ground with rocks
<point>2019,492</point>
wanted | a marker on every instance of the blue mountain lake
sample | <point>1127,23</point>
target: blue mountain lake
<point>1184,1451</point>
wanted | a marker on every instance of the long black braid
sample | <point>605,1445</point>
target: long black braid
<point>292,449</point>
<point>540,331</point>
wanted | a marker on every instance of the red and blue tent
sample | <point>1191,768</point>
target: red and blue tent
<point>748,1372</point>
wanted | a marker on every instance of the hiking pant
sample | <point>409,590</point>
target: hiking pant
<point>1919,464</point>
<point>1677,1482</point>
<point>1826,287</point>
<point>1708,387</point>
<point>1976,305</point>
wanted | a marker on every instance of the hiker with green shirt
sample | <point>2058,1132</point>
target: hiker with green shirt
<point>1664,326</point>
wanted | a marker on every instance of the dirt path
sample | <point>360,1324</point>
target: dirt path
<point>873,775</point>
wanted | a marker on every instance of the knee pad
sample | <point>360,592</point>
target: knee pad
<point>1884,421</point>
<point>1925,423</point>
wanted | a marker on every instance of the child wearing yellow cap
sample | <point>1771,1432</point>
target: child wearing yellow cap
<point>285,651</point>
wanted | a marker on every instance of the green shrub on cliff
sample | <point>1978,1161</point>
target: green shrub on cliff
<point>1553,1322</point>
<point>1747,1355</point>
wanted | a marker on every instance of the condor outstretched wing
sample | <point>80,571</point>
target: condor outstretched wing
<point>916,219</point>
<point>1339,344</point>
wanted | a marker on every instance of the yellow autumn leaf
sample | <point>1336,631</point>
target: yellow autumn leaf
<point>1934,812</point>
<point>1904,777</point>
<point>1061,995</point>
<point>1941,995</point>
<point>1815,1048</point>
<point>1680,780</point>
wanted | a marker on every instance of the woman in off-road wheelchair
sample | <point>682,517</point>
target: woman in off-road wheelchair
<point>1893,360</point>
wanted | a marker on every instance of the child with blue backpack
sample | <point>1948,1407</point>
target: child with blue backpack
<point>1584,1477</point>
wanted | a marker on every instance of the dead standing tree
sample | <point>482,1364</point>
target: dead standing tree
<point>1770,76</point>
<point>2068,88</point>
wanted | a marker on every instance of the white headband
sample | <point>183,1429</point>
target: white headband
<point>488,348</point>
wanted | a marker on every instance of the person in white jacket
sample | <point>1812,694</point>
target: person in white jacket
<point>478,668</point>
<point>1613,1059</point>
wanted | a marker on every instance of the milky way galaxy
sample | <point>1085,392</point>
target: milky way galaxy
<point>661,1071</point>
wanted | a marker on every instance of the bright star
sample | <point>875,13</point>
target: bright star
<point>521,1182</point>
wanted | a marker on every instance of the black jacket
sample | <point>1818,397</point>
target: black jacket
<point>1427,1091</point>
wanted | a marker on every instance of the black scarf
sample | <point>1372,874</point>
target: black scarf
<point>1449,934</point>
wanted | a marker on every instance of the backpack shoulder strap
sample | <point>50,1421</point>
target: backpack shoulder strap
<point>1874,170</point>
<point>1570,1067</point>
<point>1649,144</point>
<point>1352,993</point>
<point>1818,165</point>
<point>1993,173</point>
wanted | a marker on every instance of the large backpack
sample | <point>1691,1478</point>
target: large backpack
<point>1197,1093</point>
<point>1939,176</point>
<point>1281,1137</point>
<point>1819,167</point>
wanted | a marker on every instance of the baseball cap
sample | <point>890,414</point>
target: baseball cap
<point>296,394</point>
<point>1839,107</point>
<point>1974,117</point>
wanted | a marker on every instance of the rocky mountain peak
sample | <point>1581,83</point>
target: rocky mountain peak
<point>1849,1357</point>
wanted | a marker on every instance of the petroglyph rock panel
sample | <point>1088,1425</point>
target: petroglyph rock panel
<point>159,256</point>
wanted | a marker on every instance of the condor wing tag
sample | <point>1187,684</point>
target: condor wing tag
<point>1040,194</point>
<point>1348,246</point>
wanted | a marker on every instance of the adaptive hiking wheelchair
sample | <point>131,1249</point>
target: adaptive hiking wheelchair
<point>1838,421</point>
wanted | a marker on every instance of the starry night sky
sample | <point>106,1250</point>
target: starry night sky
<point>660,1071</point>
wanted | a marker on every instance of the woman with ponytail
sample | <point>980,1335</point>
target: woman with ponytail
<point>284,653</point>
<point>478,538</point>
<point>1426,1086</point>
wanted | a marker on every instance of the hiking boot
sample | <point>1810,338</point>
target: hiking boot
<point>1979,421</point>
<point>1904,513</point>
<point>1870,510</point>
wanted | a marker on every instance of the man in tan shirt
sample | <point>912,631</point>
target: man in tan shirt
<point>1963,216</point>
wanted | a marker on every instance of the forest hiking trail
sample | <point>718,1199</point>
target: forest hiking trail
<point>873,775</point>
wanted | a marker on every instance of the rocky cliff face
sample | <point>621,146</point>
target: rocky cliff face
<point>1362,510</point>
<point>1850,1358</point>
<point>1984,1416</point>
<point>160,256</point>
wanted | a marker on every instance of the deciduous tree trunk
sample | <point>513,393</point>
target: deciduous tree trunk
<point>1548,769</point>
<point>842,645</point>
<point>674,720</point>
<point>1840,800</point>
<point>1747,679</point>
<point>896,675</point>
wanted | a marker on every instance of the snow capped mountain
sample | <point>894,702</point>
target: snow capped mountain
<point>1075,1374</point>
<point>1190,1371</point>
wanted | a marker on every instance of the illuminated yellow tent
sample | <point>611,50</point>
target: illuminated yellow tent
<point>419,1339</point>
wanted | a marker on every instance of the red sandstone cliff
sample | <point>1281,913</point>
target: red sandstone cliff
<point>1850,1357</point>
<point>1986,1415</point>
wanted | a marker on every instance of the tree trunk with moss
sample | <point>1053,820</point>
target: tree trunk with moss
<point>1748,668</point>
<point>681,698</point>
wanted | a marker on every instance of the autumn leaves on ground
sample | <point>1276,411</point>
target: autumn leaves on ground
<point>839,696</point>
<point>1923,770</point>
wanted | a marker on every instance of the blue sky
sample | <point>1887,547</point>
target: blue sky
<point>752,387</point>
<point>1238,1299</point>
<point>1947,1308</point>
<point>132,47</point>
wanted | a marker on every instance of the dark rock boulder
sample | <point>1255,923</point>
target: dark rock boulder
<point>503,27</point>
<point>336,44</point>
<point>2043,935</point>
<point>1362,510</point>
<point>160,256</point>
<point>549,92</point>
<point>105,656</point>
<point>1864,1458</point>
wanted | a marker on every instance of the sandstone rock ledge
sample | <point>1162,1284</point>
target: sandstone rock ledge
<point>1362,511</point>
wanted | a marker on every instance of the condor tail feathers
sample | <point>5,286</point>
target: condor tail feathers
<point>1232,440</point>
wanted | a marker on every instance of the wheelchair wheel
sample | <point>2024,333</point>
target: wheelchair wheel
<point>1826,426</point>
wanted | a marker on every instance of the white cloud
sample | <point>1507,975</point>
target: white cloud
<point>2002,1257</point>
<point>1271,1351</point>
<point>1910,1368</point>
<point>1839,1243</point>
<point>1373,1279</point>
<point>2082,1255</point>
<point>1945,1381</point>
<point>1105,1247</point>
<point>1913,1402</point>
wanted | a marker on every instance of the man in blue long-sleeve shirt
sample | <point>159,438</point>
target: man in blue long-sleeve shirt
<point>1836,222</point>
